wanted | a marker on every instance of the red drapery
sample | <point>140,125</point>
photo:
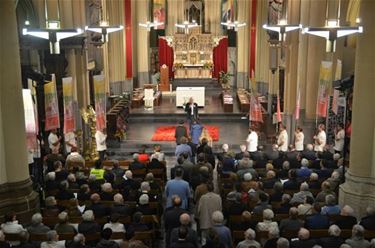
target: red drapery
<point>253,37</point>
<point>220,57</point>
<point>128,39</point>
<point>166,55</point>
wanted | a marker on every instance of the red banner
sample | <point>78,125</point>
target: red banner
<point>278,112</point>
<point>51,105</point>
<point>298,105</point>
<point>253,35</point>
<point>255,110</point>
<point>220,57</point>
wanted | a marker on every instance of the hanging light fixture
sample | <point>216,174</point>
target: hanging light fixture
<point>282,28</point>
<point>235,25</point>
<point>104,28</point>
<point>53,31</point>
<point>332,30</point>
<point>186,25</point>
<point>148,25</point>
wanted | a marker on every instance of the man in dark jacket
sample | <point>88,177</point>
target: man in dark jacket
<point>97,207</point>
<point>180,132</point>
<point>191,237</point>
<point>368,222</point>
<point>304,240</point>
<point>105,242</point>
<point>182,241</point>
<point>172,216</point>
<point>317,220</point>
<point>334,240</point>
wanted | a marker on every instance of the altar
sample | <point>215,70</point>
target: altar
<point>193,53</point>
<point>183,94</point>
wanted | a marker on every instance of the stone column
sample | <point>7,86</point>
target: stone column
<point>15,185</point>
<point>143,43</point>
<point>243,44</point>
<point>358,189</point>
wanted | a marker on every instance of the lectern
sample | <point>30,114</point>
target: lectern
<point>164,78</point>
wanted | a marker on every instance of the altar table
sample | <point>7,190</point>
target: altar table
<point>183,95</point>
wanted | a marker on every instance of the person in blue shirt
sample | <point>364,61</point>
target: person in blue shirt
<point>317,220</point>
<point>178,187</point>
<point>331,208</point>
<point>195,132</point>
<point>304,172</point>
<point>183,147</point>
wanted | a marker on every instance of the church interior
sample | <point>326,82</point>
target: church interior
<point>187,123</point>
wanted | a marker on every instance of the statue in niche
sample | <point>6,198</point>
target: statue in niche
<point>193,44</point>
<point>95,7</point>
<point>275,9</point>
<point>194,11</point>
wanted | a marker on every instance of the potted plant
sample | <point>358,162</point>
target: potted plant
<point>224,80</point>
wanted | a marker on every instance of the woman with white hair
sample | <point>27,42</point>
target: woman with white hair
<point>107,192</point>
<point>64,226</point>
<point>88,224</point>
<point>267,222</point>
<point>346,220</point>
<point>300,196</point>
<point>249,240</point>
<point>331,207</point>
<point>357,240</point>
<point>53,241</point>
<point>37,226</point>
<point>334,239</point>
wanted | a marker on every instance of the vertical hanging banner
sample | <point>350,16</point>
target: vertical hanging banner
<point>253,35</point>
<point>227,10</point>
<point>336,93</point>
<point>325,82</point>
<point>278,111</point>
<point>30,124</point>
<point>298,105</point>
<point>255,110</point>
<point>159,13</point>
<point>100,102</point>
<point>51,105</point>
<point>69,120</point>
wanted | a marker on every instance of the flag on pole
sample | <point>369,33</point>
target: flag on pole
<point>51,105</point>
<point>30,124</point>
<point>336,93</point>
<point>255,110</point>
<point>100,102</point>
<point>298,105</point>
<point>325,81</point>
<point>278,112</point>
<point>69,120</point>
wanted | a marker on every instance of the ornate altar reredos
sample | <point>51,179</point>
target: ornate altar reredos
<point>193,53</point>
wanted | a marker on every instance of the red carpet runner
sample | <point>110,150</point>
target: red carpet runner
<point>166,133</point>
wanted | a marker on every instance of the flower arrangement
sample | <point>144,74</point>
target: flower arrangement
<point>208,65</point>
<point>178,66</point>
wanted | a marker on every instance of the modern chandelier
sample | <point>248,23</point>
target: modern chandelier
<point>53,31</point>
<point>282,28</point>
<point>332,30</point>
<point>186,25</point>
<point>235,25</point>
<point>148,25</point>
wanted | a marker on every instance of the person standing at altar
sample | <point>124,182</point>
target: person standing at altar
<point>320,139</point>
<point>298,139</point>
<point>101,145</point>
<point>191,109</point>
<point>282,139</point>
<point>339,139</point>
<point>252,141</point>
